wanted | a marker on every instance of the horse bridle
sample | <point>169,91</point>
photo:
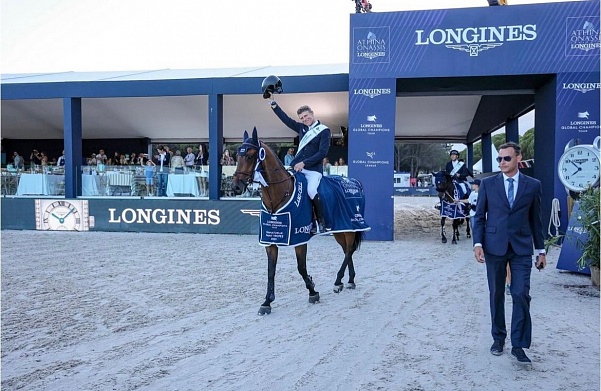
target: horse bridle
<point>260,168</point>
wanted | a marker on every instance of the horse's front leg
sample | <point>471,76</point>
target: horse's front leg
<point>468,231</point>
<point>442,230</point>
<point>301,263</point>
<point>272,261</point>
<point>455,231</point>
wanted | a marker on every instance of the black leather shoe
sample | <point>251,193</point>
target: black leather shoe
<point>519,354</point>
<point>497,348</point>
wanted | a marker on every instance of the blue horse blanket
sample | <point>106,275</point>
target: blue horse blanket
<point>460,210</point>
<point>343,204</point>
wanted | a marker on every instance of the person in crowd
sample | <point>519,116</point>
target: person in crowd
<point>43,159</point>
<point>92,160</point>
<point>507,227</point>
<point>227,159</point>
<point>169,151</point>
<point>116,159</point>
<point>202,160</point>
<point>473,199</point>
<point>457,168</point>
<point>313,147</point>
<point>133,159</point>
<point>341,161</point>
<point>177,162</point>
<point>123,160</point>
<point>149,175</point>
<point>60,162</point>
<point>189,159</point>
<point>162,164</point>
<point>289,157</point>
<point>101,157</point>
<point>18,161</point>
<point>326,166</point>
<point>35,159</point>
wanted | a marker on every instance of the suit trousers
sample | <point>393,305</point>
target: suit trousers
<point>521,324</point>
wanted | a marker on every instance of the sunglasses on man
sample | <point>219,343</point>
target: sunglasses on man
<point>506,158</point>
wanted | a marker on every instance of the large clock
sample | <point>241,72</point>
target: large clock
<point>61,215</point>
<point>578,167</point>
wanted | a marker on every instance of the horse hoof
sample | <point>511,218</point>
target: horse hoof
<point>351,285</point>
<point>454,242</point>
<point>314,299</point>
<point>469,236</point>
<point>264,310</point>
<point>444,240</point>
<point>338,288</point>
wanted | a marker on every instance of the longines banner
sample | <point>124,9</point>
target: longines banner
<point>371,157</point>
<point>519,39</point>
<point>133,215</point>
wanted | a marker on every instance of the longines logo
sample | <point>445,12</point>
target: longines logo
<point>582,35</point>
<point>371,44</point>
<point>582,87</point>
<point>165,216</point>
<point>474,40</point>
<point>372,92</point>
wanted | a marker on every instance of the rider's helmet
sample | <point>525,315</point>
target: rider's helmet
<point>271,85</point>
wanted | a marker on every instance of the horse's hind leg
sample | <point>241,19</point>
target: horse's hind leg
<point>272,260</point>
<point>301,264</point>
<point>346,241</point>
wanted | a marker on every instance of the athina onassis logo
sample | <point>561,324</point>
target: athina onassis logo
<point>371,44</point>
<point>583,36</point>
<point>474,40</point>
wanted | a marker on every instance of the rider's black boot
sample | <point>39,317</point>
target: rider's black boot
<point>317,208</point>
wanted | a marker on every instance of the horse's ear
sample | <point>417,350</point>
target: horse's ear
<point>245,136</point>
<point>255,138</point>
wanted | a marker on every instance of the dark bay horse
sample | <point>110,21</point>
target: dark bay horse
<point>448,191</point>
<point>256,159</point>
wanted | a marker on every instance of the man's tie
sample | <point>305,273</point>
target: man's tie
<point>510,192</point>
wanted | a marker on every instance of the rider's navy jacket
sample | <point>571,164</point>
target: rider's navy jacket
<point>314,152</point>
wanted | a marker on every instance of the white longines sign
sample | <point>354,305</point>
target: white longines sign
<point>474,40</point>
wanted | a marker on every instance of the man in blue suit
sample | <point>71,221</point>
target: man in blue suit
<point>507,227</point>
<point>313,147</point>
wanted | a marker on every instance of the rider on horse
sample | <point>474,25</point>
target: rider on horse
<point>313,147</point>
<point>458,171</point>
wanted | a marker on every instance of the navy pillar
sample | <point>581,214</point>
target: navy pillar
<point>486,152</point>
<point>470,157</point>
<point>215,144</point>
<point>73,146</point>
<point>512,130</point>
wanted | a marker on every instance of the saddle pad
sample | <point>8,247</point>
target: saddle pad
<point>343,203</point>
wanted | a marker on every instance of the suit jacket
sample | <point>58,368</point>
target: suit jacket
<point>463,171</point>
<point>314,152</point>
<point>496,224</point>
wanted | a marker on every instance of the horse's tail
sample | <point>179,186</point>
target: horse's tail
<point>358,239</point>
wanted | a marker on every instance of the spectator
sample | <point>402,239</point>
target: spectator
<point>341,162</point>
<point>202,156</point>
<point>162,162</point>
<point>18,161</point>
<point>202,160</point>
<point>61,160</point>
<point>149,174</point>
<point>289,157</point>
<point>101,157</point>
<point>226,159</point>
<point>189,158</point>
<point>133,160</point>
<point>326,166</point>
<point>177,162</point>
<point>35,159</point>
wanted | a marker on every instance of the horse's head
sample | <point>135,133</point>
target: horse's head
<point>248,156</point>
<point>442,181</point>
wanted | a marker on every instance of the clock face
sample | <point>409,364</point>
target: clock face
<point>578,168</point>
<point>61,215</point>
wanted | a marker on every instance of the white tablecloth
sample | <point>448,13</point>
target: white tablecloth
<point>44,184</point>
<point>40,184</point>
<point>182,184</point>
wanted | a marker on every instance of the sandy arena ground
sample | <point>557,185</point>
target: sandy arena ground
<point>125,311</point>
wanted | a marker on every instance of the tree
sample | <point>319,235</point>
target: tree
<point>416,158</point>
<point>527,144</point>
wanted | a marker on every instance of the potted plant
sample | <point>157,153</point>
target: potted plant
<point>588,215</point>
